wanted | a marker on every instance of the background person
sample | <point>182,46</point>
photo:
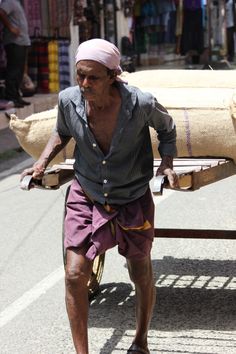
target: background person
<point>16,41</point>
<point>109,203</point>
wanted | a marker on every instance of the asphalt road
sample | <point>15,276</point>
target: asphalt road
<point>195,279</point>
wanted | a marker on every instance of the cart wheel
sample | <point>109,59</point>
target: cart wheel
<point>98,264</point>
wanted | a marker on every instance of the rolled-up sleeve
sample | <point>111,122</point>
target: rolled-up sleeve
<point>163,123</point>
<point>61,124</point>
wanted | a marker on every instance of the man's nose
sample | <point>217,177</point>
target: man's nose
<point>85,82</point>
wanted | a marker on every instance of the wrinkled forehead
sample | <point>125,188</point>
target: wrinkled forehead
<point>91,66</point>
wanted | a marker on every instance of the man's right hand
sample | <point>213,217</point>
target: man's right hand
<point>37,171</point>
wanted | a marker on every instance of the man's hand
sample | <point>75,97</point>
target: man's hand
<point>37,171</point>
<point>166,168</point>
<point>15,31</point>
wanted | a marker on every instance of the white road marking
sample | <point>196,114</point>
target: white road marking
<point>30,296</point>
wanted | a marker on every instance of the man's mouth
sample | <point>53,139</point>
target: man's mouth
<point>86,91</point>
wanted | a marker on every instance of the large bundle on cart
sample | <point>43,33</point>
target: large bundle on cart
<point>202,103</point>
<point>34,131</point>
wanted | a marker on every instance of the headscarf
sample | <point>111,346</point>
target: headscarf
<point>101,51</point>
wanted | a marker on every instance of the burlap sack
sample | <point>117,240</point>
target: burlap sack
<point>205,117</point>
<point>203,105</point>
<point>205,121</point>
<point>34,131</point>
<point>182,78</point>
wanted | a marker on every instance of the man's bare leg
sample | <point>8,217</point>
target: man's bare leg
<point>141,274</point>
<point>78,272</point>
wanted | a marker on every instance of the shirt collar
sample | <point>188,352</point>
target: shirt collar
<point>128,96</point>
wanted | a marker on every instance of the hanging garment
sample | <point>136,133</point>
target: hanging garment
<point>64,14</point>
<point>45,19</point>
<point>53,66</point>
<point>192,4</point>
<point>33,15</point>
<point>192,38</point>
<point>43,67</point>
<point>64,67</point>
<point>38,65</point>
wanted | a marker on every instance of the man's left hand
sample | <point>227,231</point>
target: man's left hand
<point>166,168</point>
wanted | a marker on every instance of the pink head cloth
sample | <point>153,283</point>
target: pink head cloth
<point>101,51</point>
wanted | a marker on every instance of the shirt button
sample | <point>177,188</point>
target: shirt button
<point>104,162</point>
<point>94,145</point>
<point>86,125</point>
<point>105,181</point>
<point>105,194</point>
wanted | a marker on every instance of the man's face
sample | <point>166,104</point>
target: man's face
<point>93,79</point>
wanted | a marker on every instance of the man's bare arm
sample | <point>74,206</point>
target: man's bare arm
<point>7,24</point>
<point>55,144</point>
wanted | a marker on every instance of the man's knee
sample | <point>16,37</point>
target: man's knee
<point>140,271</point>
<point>76,277</point>
<point>78,270</point>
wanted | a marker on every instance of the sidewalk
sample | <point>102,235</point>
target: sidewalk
<point>12,156</point>
<point>39,103</point>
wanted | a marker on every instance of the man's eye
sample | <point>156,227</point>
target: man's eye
<point>89,78</point>
<point>93,78</point>
<point>81,76</point>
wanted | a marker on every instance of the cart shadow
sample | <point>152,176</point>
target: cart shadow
<point>191,294</point>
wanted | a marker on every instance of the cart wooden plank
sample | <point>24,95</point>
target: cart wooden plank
<point>193,173</point>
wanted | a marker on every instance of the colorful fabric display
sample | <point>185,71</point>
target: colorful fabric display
<point>64,67</point>
<point>38,65</point>
<point>53,66</point>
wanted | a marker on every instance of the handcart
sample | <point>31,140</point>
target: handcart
<point>193,174</point>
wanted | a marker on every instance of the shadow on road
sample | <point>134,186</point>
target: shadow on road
<point>191,295</point>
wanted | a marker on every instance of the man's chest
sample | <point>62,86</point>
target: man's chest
<point>103,125</point>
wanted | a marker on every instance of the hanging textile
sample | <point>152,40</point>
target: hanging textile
<point>60,12</point>
<point>64,67</point>
<point>64,13</point>
<point>43,69</point>
<point>53,66</point>
<point>45,20</point>
<point>33,14</point>
<point>38,65</point>
<point>192,38</point>
<point>3,60</point>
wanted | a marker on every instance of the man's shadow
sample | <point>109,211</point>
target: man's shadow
<point>191,294</point>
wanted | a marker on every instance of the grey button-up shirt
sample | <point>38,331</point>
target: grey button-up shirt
<point>123,174</point>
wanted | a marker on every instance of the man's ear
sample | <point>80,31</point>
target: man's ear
<point>113,75</point>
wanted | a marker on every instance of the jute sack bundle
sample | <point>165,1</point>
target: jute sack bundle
<point>203,105</point>
<point>205,121</point>
<point>182,78</point>
<point>34,131</point>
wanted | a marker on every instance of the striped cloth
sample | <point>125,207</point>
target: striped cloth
<point>64,67</point>
<point>43,70</point>
<point>53,66</point>
<point>38,65</point>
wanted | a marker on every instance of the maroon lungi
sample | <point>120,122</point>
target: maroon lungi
<point>97,228</point>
